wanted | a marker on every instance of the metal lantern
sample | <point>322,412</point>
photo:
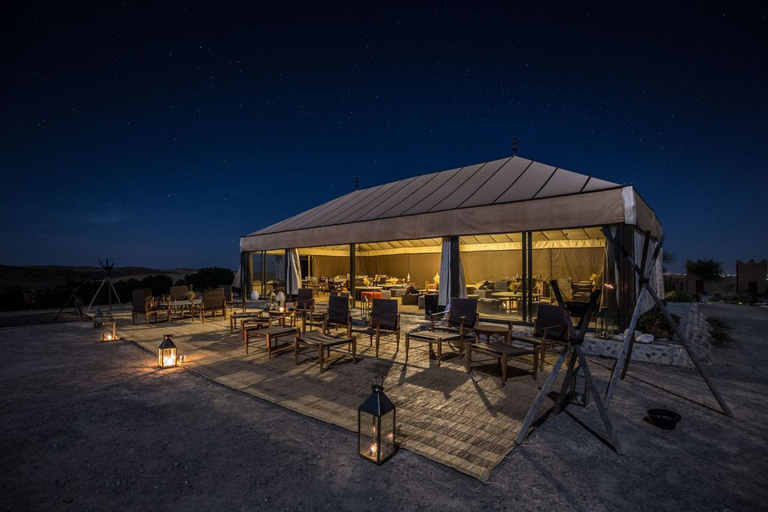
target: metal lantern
<point>579,388</point>
<point>271,297</point>
<point>166,353</point>
<point>604,328</point>
<point>108,329</point>
<point>376,425</point>
<point>98,318</point>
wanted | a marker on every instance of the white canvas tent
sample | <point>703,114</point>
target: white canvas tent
<point>511,204</point>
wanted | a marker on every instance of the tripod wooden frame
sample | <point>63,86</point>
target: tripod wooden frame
<point>110,287</point>
<point>572,353</point>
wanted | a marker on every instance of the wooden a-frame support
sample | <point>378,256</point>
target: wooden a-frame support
<point>572,353</point>
<point>111,288</point>
<point>643,272</point>
<point>73,295</point>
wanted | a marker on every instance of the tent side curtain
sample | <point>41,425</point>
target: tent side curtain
<point>444,291</point>
<point>293,274</point>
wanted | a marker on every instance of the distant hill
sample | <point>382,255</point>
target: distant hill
<point>42,276</point>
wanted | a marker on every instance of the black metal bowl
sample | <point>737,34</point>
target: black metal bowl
<point>664,418</point>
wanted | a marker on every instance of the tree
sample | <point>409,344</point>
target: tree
<point>206,278</point>
<point>667,258</point>
<point>706,270</point>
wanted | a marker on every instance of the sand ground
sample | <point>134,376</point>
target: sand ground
<point>91,426</point>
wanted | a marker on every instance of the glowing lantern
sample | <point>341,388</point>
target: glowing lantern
<point>166,353</point>
<point>376,426</point>
<point>108,329</point>
<point>281,299</point>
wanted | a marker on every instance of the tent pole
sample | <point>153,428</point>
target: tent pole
<point>523,305</point>
<point>352,274</point>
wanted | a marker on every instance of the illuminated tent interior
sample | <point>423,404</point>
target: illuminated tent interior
<point>511,220</point>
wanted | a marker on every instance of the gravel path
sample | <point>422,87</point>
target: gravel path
<point>91,426</point>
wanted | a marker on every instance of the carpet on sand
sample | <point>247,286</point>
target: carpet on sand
<point>465,421</point>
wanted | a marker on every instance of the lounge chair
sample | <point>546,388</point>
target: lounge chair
<point>213,301</point>
<point>460,319</point>
<point>144,304</point>
<point>384,320</point>
<point>549,330</point>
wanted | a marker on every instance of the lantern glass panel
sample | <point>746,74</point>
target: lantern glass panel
<point>108,330</point>
<point>368,439</point>
<point>387,435</point>
<point>166,357</point>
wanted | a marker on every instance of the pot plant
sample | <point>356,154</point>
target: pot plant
<point>654,322</point>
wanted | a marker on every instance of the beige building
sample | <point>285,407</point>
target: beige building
<point>752,277</point>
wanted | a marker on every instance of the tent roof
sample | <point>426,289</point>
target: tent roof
<point>476,199</point>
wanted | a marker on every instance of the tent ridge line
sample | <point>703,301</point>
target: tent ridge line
<point>458,187</point>
<point>404,182</point>
<point>457,171</point>
<point>434,175</point>
<point>485,182</point>
<point>545,182</point>
<point>513,183</point>
<point>383,189</point>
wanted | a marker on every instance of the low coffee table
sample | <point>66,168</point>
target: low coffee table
<point>437,337</point>
<point>270,334</point>
<point>324,342</point>
<point>234,317</point>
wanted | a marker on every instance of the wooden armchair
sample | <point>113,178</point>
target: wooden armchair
<point>143,303</point>
<point>213,301</point>
<point>549,330</point>
<point>384,320</point>
<point>460,319</point>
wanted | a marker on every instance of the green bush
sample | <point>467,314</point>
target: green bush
<point>655,322</point>
<point>678,296</point>
<point>207,278</point>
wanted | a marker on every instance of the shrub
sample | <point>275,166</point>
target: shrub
<point>654,322</point>
<point>679,296</point>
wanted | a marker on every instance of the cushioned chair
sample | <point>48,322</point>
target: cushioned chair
<point>338,315</point>
<point>213,301</point>
<point>143,303</point>
<point>460,319</point>
<point>549,330</point>
<point>384,320</point>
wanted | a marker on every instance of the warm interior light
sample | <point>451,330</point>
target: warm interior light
<point>169,360</point>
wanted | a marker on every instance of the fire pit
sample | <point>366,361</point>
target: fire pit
<point>664,418</point>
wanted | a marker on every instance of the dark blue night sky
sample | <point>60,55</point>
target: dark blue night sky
<point>157,134</point>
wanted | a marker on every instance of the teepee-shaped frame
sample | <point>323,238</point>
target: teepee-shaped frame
<point>110,287</point>
<point>643,272</point>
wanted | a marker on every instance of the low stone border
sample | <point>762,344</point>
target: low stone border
<point>669,352</point>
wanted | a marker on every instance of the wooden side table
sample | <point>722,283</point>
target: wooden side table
<point>436,337</point>
<point>324,342</point>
